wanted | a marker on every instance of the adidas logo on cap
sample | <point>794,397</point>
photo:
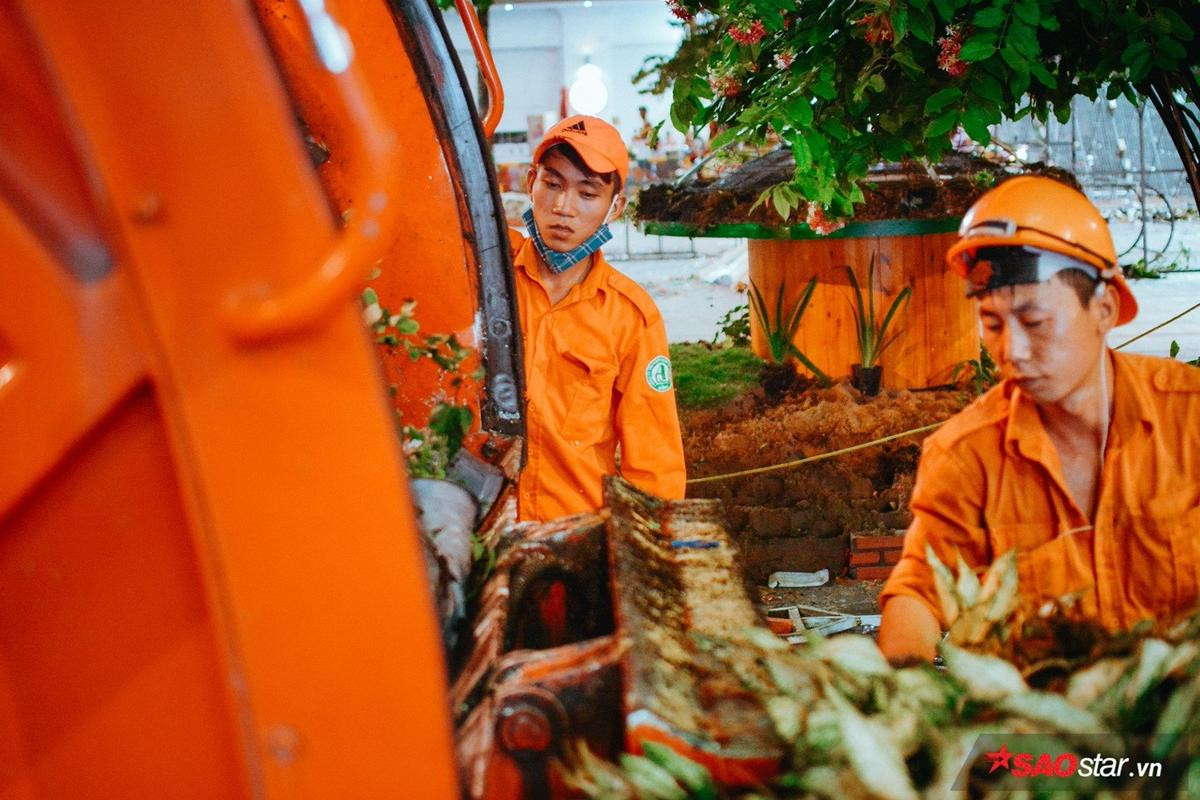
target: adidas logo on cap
<point>577,128</point>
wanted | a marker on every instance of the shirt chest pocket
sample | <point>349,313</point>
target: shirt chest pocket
<point>1051,564</point>
<point>584,384</point>
<point>1172,522</point>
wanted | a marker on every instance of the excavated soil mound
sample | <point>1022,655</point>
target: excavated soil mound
<point>800,518</point>
<point>894,191</point>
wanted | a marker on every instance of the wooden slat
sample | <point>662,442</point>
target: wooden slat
<point>938,330</point>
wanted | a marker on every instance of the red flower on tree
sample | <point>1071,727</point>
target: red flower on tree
<point>949,47</point>
<point>725,85</point>
<point>680,11</point>
<point>819,222</point>
<point>878,28</point>
<point>750,35</point>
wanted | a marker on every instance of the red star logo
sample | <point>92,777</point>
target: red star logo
<point>999,758</point>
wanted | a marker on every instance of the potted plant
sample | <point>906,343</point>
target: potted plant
<point>872,334</point>
<point>779,334</point>
<point>977,374</point>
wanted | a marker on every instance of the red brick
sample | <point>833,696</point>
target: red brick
<point>891,556</point>
<point>868,542</point>
<point>872,573</point>
<point>864,559</point>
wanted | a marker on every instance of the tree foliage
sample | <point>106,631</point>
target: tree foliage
<point>847,83</point>
<point>481,6</point>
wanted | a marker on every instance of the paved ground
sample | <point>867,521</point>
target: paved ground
<point>694,284</point>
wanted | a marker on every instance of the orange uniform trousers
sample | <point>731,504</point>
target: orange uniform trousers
<point>597,380</point>
<point>990,480</point>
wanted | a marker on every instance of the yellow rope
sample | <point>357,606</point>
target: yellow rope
<point>1183,313</point>
<point>821,457</point>
<point>894,436</point>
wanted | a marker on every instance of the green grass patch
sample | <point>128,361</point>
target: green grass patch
<point>706,378</point>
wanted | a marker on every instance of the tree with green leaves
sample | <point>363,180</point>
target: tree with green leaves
<point>481,6</point>
<point>848,83</point>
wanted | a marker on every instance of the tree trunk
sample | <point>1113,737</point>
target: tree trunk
<point>1180,126</point>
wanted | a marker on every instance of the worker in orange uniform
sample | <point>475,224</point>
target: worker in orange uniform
<point>1085,460</point>
<point>597,372</point>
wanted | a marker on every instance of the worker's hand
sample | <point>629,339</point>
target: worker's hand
<point>908,631</point>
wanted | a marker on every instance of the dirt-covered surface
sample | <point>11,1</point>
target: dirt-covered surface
<point>800,518</point>
<point>900,191</point>
<point>840,595</point>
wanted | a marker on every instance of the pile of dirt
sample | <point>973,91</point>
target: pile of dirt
<point>892,191</point>
<point>800,518</point>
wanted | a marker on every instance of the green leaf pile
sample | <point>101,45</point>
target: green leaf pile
<point>860,728</point>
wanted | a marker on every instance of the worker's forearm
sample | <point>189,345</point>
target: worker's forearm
<point>908,630</point>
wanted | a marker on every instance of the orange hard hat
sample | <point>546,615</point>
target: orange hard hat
<point>598,144</point>
<point>1039,216</point>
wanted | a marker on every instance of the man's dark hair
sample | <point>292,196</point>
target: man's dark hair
<point>1083,284</point>
<point>571,154</point>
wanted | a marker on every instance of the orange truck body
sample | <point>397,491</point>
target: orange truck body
<point>211,583</point>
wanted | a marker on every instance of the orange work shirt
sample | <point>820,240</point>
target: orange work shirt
<point>991,480</point>
<point>597,377</point>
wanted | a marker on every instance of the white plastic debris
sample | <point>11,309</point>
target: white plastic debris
<point>798,580</point>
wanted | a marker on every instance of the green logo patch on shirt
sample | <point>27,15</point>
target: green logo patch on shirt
<point>658,374</point>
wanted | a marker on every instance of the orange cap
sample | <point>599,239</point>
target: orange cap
<point>598,144</point>
<point>1039,212</point>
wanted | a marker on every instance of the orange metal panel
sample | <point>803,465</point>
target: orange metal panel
<point>426,259</point>
<point>113,686</point>
<point>308,587</point>
<point>39,171</point>
<point>68,352</point>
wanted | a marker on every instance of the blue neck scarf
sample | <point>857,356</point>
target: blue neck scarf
<point>559,261</point>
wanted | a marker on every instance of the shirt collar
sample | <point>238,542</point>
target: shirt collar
<point>1132,407</point>
<point>595,281</point>
<point>1133,402</point>
<point>1024,433</point>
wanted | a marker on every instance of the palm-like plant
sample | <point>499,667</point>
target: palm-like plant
<point>781,333</point>
<point>872,335</point>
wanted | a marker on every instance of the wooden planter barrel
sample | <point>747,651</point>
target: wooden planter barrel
<point>938,331</point>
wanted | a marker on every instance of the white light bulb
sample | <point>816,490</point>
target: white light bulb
<point>589,72</point>
<point>588,95</point>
